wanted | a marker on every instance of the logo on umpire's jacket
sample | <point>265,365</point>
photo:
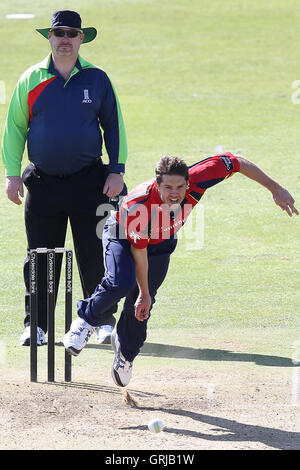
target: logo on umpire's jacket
<point>86,98</point>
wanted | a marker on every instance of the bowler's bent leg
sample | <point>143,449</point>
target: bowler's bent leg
<point>118,280</point>
<point>132,333</point>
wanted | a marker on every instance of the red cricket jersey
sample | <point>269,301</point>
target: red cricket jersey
<point>147,220</point>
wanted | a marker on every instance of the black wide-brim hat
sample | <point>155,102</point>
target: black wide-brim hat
<point>69,19</point>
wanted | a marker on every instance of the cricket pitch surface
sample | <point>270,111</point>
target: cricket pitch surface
<point>208,399</point>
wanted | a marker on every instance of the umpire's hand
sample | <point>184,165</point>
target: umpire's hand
<point>113,185</point>
<point>14,189</point>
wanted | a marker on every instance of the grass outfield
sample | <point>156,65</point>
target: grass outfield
<point>192,77</point>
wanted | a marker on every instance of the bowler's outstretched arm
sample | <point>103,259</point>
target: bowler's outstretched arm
<point>281,195</point>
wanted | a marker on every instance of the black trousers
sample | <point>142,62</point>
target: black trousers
<point>52,202</point>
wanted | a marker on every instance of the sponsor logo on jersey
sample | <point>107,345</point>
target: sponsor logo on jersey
<point>135,236</point>
<point>227,162</point>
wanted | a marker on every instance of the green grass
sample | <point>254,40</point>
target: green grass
<point>191,76</point>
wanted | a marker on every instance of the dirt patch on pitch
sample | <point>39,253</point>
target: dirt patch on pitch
<point>200,410</point>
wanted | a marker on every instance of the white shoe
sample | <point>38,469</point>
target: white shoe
<point>103,334</point>
<point>121,370</point>
<point>25,337</point>
<point>77,337</point>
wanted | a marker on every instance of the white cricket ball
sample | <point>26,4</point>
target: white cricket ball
<point>155,425</point>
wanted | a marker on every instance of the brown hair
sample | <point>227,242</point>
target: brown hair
<point>168,165</point>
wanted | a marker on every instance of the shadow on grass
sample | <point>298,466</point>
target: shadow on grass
<point>230,430</point>
<point>220,355</point>
<point>153,349</point>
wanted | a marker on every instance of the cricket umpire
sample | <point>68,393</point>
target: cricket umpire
<point>64,108</point>
<point>139,241</point>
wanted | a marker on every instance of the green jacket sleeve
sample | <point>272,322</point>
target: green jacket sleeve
<point>15,130</point>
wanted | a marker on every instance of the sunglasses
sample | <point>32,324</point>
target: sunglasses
<point>60,33</point>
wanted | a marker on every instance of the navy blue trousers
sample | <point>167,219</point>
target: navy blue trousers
<point>118,282</point>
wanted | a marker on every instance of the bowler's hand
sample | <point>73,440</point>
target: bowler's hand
<point>14,189</point>
<point>142,307</point>
<point>284,200</point>
<point>113,185</point>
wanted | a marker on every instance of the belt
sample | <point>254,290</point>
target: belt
<point>67,175</point>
